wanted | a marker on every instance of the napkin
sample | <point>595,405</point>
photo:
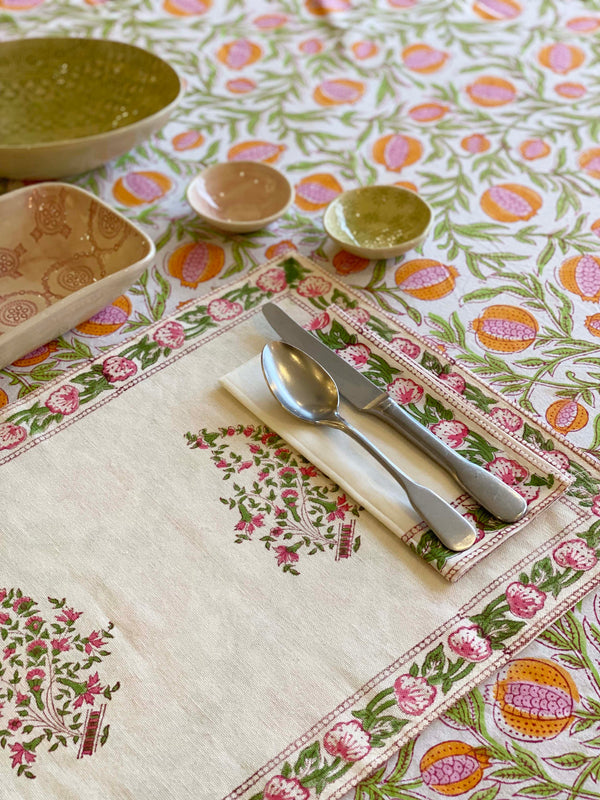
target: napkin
<point>369,484</point>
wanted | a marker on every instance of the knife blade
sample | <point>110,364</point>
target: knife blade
<point>489,491</point>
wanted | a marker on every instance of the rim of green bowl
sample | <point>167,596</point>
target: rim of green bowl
<point>407,243</point>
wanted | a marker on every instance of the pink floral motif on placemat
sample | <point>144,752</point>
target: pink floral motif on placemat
<point>285,502</point>
<point>50,689</point>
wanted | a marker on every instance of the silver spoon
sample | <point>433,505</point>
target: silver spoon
<point>308,392</point>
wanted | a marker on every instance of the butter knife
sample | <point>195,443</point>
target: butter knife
<point>489,491</point>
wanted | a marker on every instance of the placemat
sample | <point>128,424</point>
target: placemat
<point>157,623</point>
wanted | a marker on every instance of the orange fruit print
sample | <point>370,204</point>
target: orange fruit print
<point>316,191</point>
<point>196,263</point>
<point>506,329</point>
<point>534,699</point>
<point>397,151</point>
<point>426,279</point>
<point>567,415</point>
<point>138,188</point>
<point>510,202</point>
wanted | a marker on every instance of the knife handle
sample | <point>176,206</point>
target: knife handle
<point>490,492</point>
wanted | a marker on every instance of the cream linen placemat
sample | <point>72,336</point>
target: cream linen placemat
<point>434,402</point>
<point>156,622</point>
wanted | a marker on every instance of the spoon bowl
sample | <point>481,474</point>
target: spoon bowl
<point>307,391</point>
<point>300,384</point>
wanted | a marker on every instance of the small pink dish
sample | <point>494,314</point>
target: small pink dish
<point>240,196</point>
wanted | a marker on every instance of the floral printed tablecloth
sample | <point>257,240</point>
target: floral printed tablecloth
<point>488,109</point>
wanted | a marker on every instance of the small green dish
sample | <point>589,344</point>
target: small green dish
<point>68,105</point>
<point>378,221</point>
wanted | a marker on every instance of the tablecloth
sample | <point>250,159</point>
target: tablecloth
<point>488,110</point>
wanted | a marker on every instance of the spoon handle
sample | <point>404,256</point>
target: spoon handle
<point>449,526</point>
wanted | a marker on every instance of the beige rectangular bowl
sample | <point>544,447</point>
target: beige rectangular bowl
<point>64,255</point>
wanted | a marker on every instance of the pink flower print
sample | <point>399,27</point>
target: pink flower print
<point>476,524</point>
<point>341,508</point>
<point>4,619</point>
<point>68,615</point>
<point>356,354</point>
<point>19,753</point>
<point>64,400</point>
<point>405,391</point>
<point>309,472</point>
<point>280,788</point>
<point>313,286</point>
<point>285,471</point>
<point>257,521</point>
<point>14,724</point>
<point>273,280</point>
<point>524,600</point>
<point>3,594</point>
<point>451,431</point>
<point>254,448</point>
<point>558,459</point>
<point>9,651</point>
<point>575,553</point>
<point>11,435</point>
<point>264,439</point>
<point>507,419</point>
<point>94,641</point>
<point>62,644</point>
<point>19,602</point>
<point>37,644</point>
<point>281,451</point>
<point>509,471</point>
<point>221,464</point>
<point>222,309</point>
<point>36,673</point>
<point>529,493</point>
<point>262,475</point>
<point>117,368</point>
<point>401,345</point>
<point>171,335</point>
<point>276,532</point>
<point>34,623</point>
<point>289,493</point>
<point>248,431</point>
<point>92,688</point>
<point>595,506</point>
<point>347,740</point>
<point>201,443</point>
<point>285,556</point>
<point>244,465</point>
<point>413,695</point>
<point>318,322</point>
<point>231,431</point>
<point>360,315</point>
<point>21,698</point>
<point>468,643</point>
<point>453,380</point>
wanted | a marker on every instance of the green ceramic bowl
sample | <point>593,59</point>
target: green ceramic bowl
<point>378,221</point>
<point>69,105</point>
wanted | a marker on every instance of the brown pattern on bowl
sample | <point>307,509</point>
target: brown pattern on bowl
<point>65,256</point>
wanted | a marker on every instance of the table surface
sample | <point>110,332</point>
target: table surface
<point>489,110</point>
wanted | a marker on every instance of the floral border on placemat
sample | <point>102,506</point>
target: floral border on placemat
<point>359,735</point>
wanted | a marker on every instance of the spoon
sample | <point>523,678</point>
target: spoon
<point>309,392</point>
